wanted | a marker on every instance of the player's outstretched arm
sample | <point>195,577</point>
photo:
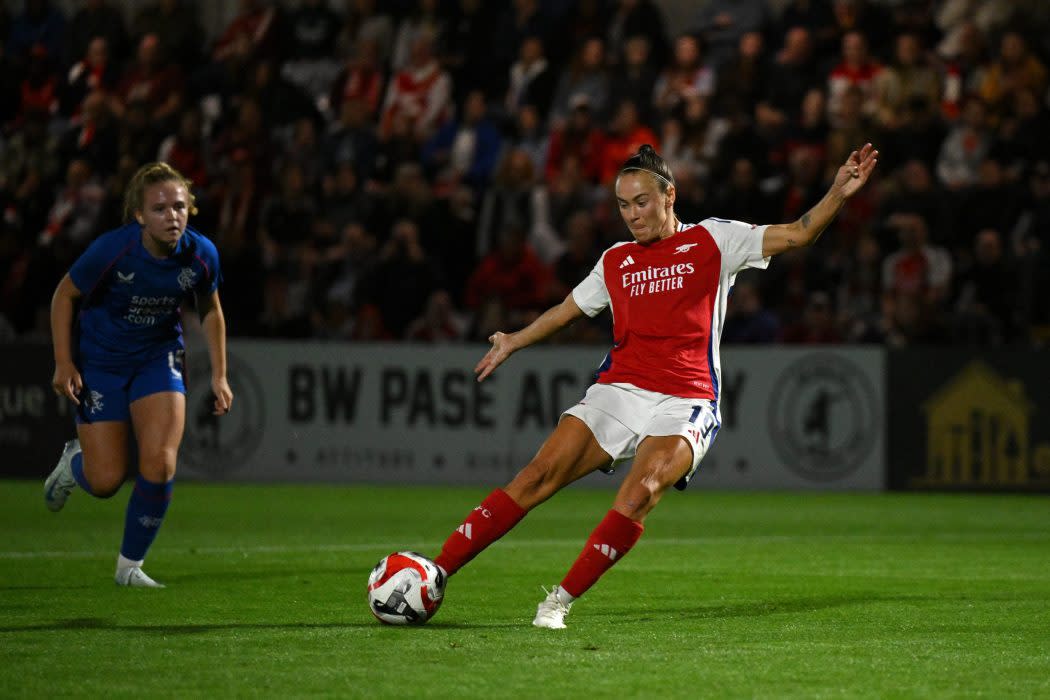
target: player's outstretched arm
<point>66,381</point>
<point>848,180</point>
<point>506,344</point>
<point>213,322</point>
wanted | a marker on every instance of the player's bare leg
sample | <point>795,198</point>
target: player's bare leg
<point>660,462</point>
<point>97,461</point>
<point>570,453</point>
<point>158,420</point>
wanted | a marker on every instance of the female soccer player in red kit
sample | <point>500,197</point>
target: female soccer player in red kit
<point>656,394</point>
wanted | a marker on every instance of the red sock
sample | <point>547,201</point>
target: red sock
<point>494,518</point>
<point>613,538</point>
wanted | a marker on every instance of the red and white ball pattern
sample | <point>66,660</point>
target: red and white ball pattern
<point>405,588</point>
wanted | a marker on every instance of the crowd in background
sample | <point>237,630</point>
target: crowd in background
<point>435,170</point>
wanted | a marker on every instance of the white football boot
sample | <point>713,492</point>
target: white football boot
<point>60,483</point>
<point>551,612</point>
<point>135,577</point>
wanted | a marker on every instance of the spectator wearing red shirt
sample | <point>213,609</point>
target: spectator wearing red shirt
<point>579,139</point>
<point>250,34</point>
<point>512,274</point>
<point>625,137</point>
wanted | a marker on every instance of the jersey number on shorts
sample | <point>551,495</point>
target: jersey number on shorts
<point>709,421</point>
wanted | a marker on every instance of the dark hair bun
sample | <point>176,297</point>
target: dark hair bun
<point>647,150</point>
<point>649,160</point>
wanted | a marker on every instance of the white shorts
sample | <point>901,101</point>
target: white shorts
<point>622,415</point>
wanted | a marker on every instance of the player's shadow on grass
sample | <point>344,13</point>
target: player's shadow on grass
<point>762,608</point>
<point>94,623</point>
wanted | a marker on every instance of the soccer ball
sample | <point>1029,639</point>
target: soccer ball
<point>405,588</point>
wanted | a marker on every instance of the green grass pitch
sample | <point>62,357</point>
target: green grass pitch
<point>726,595</point>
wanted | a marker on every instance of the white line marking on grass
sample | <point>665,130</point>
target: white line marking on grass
<point>553,542</point>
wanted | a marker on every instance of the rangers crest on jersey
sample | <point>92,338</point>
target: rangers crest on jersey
<point>187,279</point>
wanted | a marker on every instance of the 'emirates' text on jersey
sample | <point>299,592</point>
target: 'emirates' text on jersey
<point>668,303</point>
<point>132,300</point>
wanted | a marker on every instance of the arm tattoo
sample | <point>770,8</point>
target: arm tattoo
<point>805,221</point>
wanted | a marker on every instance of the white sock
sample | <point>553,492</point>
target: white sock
<point>563,595</point>
<point>125,563</point>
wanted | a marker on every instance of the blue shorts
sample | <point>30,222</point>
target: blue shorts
<point>108,392</point>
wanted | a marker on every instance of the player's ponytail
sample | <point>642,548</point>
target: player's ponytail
<point>649,161</point>
<point>151,174</point>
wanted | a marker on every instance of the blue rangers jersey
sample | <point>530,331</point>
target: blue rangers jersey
<point>131,306</point>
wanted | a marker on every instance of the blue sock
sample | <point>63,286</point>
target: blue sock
<point>146,508</point>
<point>77,465</point>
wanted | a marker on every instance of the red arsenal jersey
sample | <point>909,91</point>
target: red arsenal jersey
<point>668,303</point>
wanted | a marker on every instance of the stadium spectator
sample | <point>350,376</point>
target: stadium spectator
<point>352,140</point>
<point>687,75</point>
<point>635,77</point>
<point>76,208</point>
<point>177,26</point>
<point>94,72</point>
<point>530,136</point>
<point>97,18</point>
<point>817,324</point>
<point>743,79</point>
<point>747,321</point>
<point>39,24</point>
<point>1015,69</point>
<point>965,147</point>
<point>517,201</point>
<point>531,80</point>
<point>792,75</point>
<point>579,139</point>
<point>361,79</point>
<point>365,22</point>
<point>93,136</point>
<point>986,301</point>
<point>420,93</point>
<point>632,20</point>
<point>512,273</point>
<point>423,20</point>
<point>156,83</point>
<point>626,135</point>
<point>250,35</point>
<point>722,23</point>
<point>466,148</point>
<point>439,322</point>
<point>856,70</point>
<point>40,89</point>
<point>916,272</point>
<point>585,77</point>
<point>468,54</point>
<point>398,286</point>
<point>909,80</point>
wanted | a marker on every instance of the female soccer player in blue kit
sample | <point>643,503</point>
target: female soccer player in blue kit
<point>122,363</point>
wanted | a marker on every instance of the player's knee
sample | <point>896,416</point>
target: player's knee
<point>158,463</point>
<point>106,484</point>
<point>534,484</point>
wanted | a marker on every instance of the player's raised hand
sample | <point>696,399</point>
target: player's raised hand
<point>501,349</point>
<point>220,388</point>
<point>856,170</point>
<point>67,381</point>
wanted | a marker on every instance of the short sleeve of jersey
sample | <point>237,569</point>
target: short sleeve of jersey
<point>591,295</point>
<point>88,269</point>
<point>210,256</point>
<point>739,242</point>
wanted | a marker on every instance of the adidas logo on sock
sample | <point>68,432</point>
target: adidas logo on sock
<point>627,261</point>
<point>465,529</point>
<point>607,551</point>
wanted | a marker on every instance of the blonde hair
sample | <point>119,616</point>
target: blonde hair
<point>151,174</point>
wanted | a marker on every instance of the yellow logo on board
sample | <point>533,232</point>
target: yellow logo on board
<point>978,433</point>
